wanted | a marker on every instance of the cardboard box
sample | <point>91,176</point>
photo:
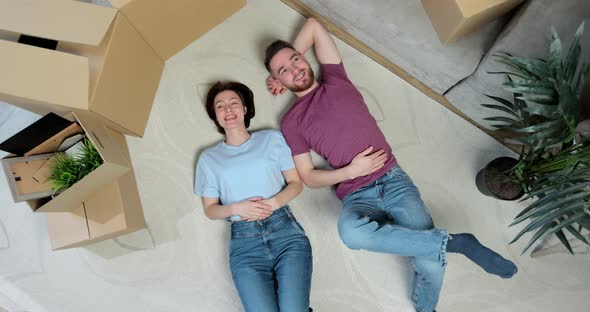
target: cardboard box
<point>112,211</point>
<point>108,61</point>
<point>115,164</point>
<point>453,19</point>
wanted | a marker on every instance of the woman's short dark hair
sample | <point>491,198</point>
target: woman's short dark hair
<point>241,90</point>
<point>273,49</point>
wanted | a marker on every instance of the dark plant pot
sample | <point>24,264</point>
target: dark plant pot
<point>490,182</point>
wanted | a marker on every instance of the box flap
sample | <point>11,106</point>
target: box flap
<point>31,76</point>
<point>169,26</point>
<point>97,133</point>
<point>128,186</point>
<point>82,190</point>
<point>110,215</point>
<point>63,20</point>
<point>127,84</point>
<point>446,17</point>
<point>105,210</point>
<point>66,228</point>
<point>470,8</point>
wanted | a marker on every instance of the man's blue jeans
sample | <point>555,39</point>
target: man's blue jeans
<point>271,263</point>
<point>389,216</point>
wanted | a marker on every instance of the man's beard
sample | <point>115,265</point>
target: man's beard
<point>299,88</point>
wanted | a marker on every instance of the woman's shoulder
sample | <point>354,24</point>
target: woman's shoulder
<point>268,133</point>
<point>210,151</point>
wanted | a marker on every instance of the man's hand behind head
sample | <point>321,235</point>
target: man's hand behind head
<point>274,86</point>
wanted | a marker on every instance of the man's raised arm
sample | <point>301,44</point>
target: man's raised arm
<point>314,34</point>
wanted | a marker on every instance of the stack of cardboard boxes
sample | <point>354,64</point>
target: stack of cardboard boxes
<point>103,74</point>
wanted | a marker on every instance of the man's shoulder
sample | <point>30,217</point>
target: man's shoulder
<point>290,115</point>
<point>290,122</point>
<point>333,73</point>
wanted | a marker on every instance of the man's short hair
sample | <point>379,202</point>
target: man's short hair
<point>241,90</point>
<point>273,49</point>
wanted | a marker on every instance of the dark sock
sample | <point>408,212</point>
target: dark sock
<point>486,258</point>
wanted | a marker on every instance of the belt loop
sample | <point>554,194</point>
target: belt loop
<point>288,212</point>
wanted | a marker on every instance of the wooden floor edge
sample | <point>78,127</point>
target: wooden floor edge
<point>366,50</point>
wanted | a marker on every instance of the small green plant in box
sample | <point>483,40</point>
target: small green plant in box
<point>68,169</point>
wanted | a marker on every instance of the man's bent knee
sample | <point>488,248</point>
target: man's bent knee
<point>354,236</point>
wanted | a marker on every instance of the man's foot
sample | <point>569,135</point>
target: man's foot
<point>487,259</point>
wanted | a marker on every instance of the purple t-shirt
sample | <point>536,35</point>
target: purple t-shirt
<point>334,121</point>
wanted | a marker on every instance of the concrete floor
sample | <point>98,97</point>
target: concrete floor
<point>180,263</point>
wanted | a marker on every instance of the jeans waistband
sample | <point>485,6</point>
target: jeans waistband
<point>393,172</point>
<point>277,217</point>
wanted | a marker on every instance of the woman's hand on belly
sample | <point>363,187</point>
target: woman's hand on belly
<point>253,208</point>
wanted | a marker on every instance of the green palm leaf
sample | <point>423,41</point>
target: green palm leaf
<point>555,53</point>
<point>554,227</point>
<point>549,111</point>
<point>501,119</point>
<point>508,73</point>
<point>577,234</point>
<point>573,56</point>
<point>580,83</point>
<point>502,101</point>
<point>536,223</point>
<point>501,108</point>
<point>526,67</point>
<point>539,98</point>
<point>536,236</point>
<point>585,222</point>
<point>564,240</point>
<point>555,195</point>
<point>553,125</point>
<point>530,86</point>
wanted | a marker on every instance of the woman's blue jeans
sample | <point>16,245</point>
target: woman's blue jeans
<point>389,216</point>
<point>271,263</point>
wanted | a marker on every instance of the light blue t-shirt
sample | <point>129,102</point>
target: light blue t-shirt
<point>235,173</point>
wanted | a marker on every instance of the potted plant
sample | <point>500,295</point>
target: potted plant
<point>553,165</point>
<point>68,169</point>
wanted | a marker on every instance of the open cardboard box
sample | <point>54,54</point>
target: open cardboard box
<point>453,19</point>
<point>115,164</point>
<point>115,209</point>
<point>108,60</point>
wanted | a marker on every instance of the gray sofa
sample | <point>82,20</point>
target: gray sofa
<point>526,34</point>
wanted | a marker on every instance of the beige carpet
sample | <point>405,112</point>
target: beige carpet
<point>181,263</point>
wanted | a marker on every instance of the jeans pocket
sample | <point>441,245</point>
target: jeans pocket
<point>397,173</point>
